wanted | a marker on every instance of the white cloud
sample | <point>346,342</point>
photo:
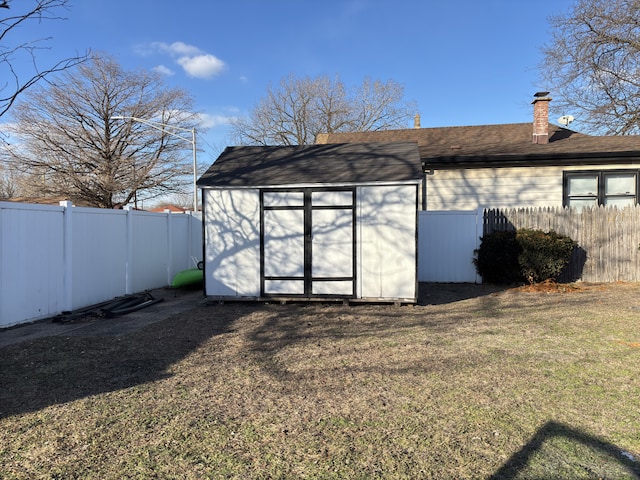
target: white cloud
<point>210,121</point>
<point>194,61</point>
<point>161,69</point>
<point>202,66</point>
<point>176,48</point>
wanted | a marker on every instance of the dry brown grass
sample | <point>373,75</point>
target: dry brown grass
<point>475,384</point>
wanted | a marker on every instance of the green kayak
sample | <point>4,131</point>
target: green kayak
<point>187,277</point>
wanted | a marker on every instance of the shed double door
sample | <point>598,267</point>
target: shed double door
<point>308,242</point>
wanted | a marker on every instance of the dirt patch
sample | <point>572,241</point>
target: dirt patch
<point>550,286</point>
<point>443,293</point>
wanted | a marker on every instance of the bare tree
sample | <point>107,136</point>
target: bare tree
<point>68,141</point>
<point>180,200</point>
<point>16,79</point>
<point>301,108</point>
<point>592,65</point>
<point>9,187</point>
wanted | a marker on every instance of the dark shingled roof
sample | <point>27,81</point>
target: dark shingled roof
<point>353,163</point>
<point>501,145</point>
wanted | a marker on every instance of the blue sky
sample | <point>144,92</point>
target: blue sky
<point>465,62</point>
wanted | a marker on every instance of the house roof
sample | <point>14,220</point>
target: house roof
<point>352,163</point>
<point>502,145</point>
<point>171,208</point>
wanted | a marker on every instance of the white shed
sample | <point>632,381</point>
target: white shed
<point>312,222</point>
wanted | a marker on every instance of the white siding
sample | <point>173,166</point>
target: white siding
<point>469,189</point>
<point>386,225</point>
<point>232,248</point>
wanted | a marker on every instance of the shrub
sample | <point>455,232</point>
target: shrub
<point>497,258</point>
<point>543,255</point>
<point>531,255</point>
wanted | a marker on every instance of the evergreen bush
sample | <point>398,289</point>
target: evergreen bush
<point>526,255</point>
<point>497,258</point>
<point>543,255</point>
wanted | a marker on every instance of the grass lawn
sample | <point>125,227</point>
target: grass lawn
<point>513,384</point>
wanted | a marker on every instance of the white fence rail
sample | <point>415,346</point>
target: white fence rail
<point>61,258</point>
<point>446,242</point>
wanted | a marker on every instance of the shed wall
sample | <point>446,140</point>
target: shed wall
<point>386,223</point>
<point>232,242</point>
<point>386,242</point>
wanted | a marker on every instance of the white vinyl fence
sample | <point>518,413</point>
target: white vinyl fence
<point>61,258</point>
<point>446,244</point>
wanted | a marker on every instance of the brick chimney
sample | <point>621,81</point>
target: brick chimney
<point>541,118</point>
<point>416,121</point>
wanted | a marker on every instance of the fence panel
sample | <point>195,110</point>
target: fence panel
<point>181,227</point>
<point>149,250</point>
<point>99,253</point>
<point>608,238</point>
<point>446,244</point>
<point>54,258</point>
<point>31,261</point>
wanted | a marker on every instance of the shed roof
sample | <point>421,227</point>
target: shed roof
<point>351,163</point>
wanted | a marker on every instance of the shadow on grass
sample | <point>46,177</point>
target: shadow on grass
<point>341,330</point>
<point>443,293</point>
<point>520,461</point>
<point>55,370</point>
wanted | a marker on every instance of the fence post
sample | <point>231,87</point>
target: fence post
<point>479,234</point>
<point>190,235</point>
<point>195,218</point>
<point>128,288</point>
<point>67,255</point>
<point>169,246</point>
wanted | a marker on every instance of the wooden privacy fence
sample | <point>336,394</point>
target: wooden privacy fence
<point>608,238</point>
<point>58,258</point>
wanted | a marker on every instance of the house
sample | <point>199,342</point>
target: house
<point>170,207</point>
<point>312,222</point>
<point>536,164</point>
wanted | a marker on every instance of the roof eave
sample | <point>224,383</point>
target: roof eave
<point>376,183</point>
<point>502,161</point>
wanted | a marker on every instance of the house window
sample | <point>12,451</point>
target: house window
<point>608,187</point>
